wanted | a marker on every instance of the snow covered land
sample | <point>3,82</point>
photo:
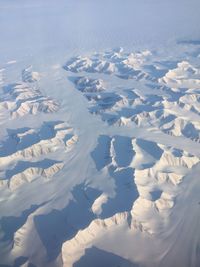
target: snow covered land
<point>99,133</point>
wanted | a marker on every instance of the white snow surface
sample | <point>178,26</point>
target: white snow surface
<point>100,133</point>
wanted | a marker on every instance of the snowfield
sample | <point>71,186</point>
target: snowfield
<point>100,133</point>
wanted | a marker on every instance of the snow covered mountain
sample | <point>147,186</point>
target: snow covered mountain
<point>100,133</point>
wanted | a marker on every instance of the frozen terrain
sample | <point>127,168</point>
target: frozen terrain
<point>100,133</point>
